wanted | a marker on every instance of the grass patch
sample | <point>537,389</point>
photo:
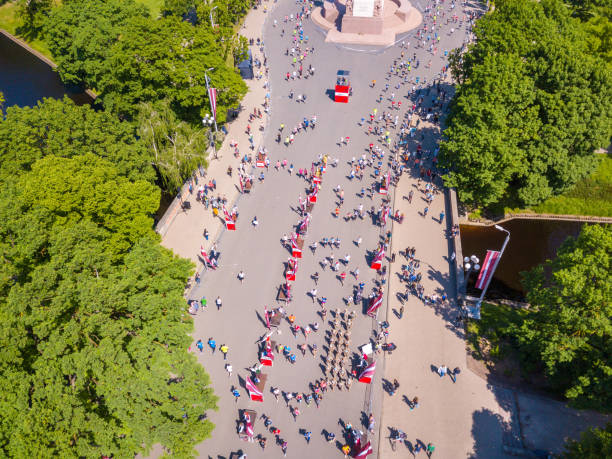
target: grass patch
<point>154,6</point>
<point>489,337</point>
<point>10,21</point>
<point>591,196</point>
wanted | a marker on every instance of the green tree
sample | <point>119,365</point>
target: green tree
<point>177,148</point>
<point>564,92</point>
<point>94,329</point>
<point>34,14</point>
<point>94,357</point>
<point>79,34</point>
<point>167,59</point>
<point>61,128</point>
<point>593,444</point>
<point>569,326</point>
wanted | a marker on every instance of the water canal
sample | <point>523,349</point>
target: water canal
<point>531,242</point>
<point>25,79</point>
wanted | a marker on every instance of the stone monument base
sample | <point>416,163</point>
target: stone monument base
<point>399,16</point>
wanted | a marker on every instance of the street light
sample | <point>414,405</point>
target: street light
<point>501,252</point>
<point>469,266</point>
<point>208,122</point>
<point>208,92</point>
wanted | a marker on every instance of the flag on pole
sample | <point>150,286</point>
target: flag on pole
<point>487,268</point>
<point>296,252</point>
<point>385,214</point>
<point>378,258</point>
<point>229,221</point>
<point>365,451</point>
<point>375,303</point>
<point>249,426</point>
<point>207,261</point>
<point>312,197</point>
<point>367,374</point>
<point>212,95</point>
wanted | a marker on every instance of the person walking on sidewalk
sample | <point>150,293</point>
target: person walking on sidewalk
<point>200,345</point>
<point>212,344</point>
<point>229,370</point>
<point>219,303</point>
<point>430,449</point>
<point>224,350</point>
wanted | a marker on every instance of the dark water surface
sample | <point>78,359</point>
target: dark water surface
<point>531,242</point>
<point>25,79</point>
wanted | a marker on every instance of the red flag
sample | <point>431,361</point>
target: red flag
<point>207,261</point>
<point>367,374</point>
<point>296,252</point>
<point>487,268</point>
<point>365,451</point>
<point>375,303</point>
<point>312,197</point>
<point>229,221</point>
<point>255,394</point>
<point>249,425</point>
<point>378,258</point>
<point>212,95</point>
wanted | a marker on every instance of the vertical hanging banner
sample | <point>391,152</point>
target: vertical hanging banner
<point>487,268</point>
<point>212,95</point>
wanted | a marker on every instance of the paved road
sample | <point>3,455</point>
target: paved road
<point>424,336</point>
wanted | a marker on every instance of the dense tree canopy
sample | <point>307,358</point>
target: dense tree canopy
<point>117,49</point>
<point>80,33</point>
<point>94,331</point>
<point>593,444</point>
<point>568,329</point>
<point>178,149</point>
<point>61,128</point>
<point>167,59</point>
<point>531,107</point>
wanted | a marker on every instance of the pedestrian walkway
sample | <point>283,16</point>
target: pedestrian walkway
<point>184,231</point>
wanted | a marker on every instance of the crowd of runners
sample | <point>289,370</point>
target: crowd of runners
<point>403,104</point>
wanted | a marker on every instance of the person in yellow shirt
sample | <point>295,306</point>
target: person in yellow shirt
<point>224,349</point>
<point>346,449</point>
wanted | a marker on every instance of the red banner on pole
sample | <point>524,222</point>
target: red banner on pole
<point>487,268</point>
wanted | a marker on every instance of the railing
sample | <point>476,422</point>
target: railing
<point>532,216</point>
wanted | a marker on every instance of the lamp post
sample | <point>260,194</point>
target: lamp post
<point>208,122</point>
<point>501,252</point>
<point>208,92</point>
<point>470,263</point>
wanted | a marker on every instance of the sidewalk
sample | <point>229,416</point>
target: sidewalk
<point>183,231</point>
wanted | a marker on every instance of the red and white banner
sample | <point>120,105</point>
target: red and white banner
<point>207,262</point>
<point>386,211</point>
<point>290,275</point>
<point>365,451</point>
<point>378,258</point>
<point>241,184</point>
<point>375,303</point>
<point>249,426</point>
<point>304,224</point>
<point>229,221</point>
<point>255,394</point>
<point>487,268</point>
<point>312,197</point>
<point>296,252</point>
<point>367,375</point>
<point>316,180</point>
<point>212,95</point>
